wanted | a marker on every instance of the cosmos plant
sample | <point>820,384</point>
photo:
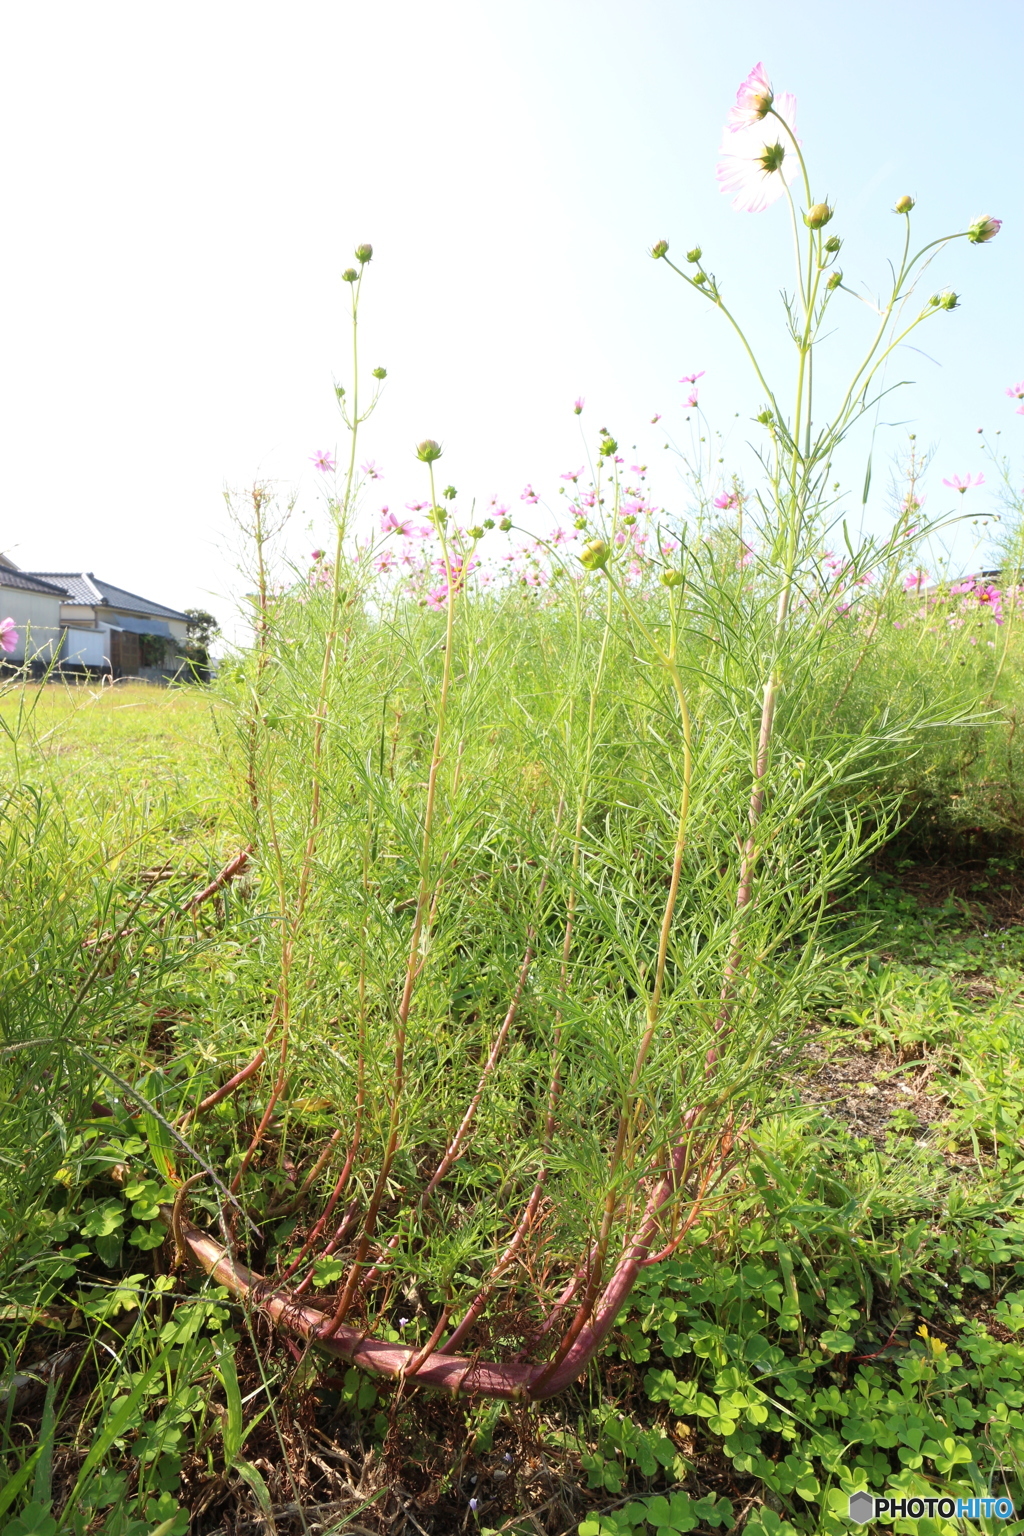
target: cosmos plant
<point>550,1027</point>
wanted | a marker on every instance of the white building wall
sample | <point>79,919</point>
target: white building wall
<point>86,648</point>
<point>37,618</point>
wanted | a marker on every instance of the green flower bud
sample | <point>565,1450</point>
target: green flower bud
<point>449,493</point>
<point>904,204</point>
<point>475,533</point>
<point>765,418</point>
<point>608,446</point>
<point>364,253</point>
<point>833,244</point>
<point>700,279</point>
<point>694,255</point>
<point>505,524</point>
<point>580,522</point>
<point>949,299</point>
<point>428,450</point>
<point>659,248</point>
<point>835,279</point>
<point>350,275</point>
<point>380,373</point>
<point>594,556</point>
<point>488,522</point>
<point>438,516</point>
<point>983,229</point>
<point>671,578</point>
<point>817,216</point>
<point>629,519</point>
<point>339,390</point>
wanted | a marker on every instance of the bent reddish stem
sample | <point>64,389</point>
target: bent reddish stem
<point>232,868</point>
<point>443,1371</point>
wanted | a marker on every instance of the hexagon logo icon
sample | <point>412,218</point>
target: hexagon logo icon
<point>862,1507</point>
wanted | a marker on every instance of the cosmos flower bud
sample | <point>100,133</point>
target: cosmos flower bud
<point>475,533</point>
<point>380,373</point>
<point>350,275</point>
<point>608,446</point>
<point>659,248</point>
<point>903,204</point>
<point>449,493</point>
<point>818,215</point>
<point>594,556</point>
<point>364,253</point>
<point>833,244</point>
<point>579,522</point>
<point>505,524</point>
<point>700,279</point>
<point>428,450</point>
<point>339,390</point>
<point>694,255</point>
<point>949,299</point>
<point>983,229</point>
<point>488,522</point>
<point>765,418</point>
<point>835,279</point>
<point>671,578</point>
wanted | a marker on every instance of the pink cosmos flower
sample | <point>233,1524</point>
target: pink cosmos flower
<point>386,561</point>
<point>578,405</point>
<point>913,580</point>
<point>8,635</point>
<point>727,500</point>
<point>370,469</point>
<point>655,419</point>
<point>753,99</point>
<point>573,474</point>
<point>690,401</point>
<point>437,597</point>
<point>758,160</point>
<point>529,495</point>
<point>404,526</point>
<point>317,554</point>
<point>991,598</point>
<point>962,485</point>
<point>323,461</point>
<point>691,378</point>
<point>1016,391</point>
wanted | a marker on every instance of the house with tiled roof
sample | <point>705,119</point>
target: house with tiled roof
<point>89,625</point>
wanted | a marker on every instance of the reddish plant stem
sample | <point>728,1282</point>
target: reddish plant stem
<point>232,868</point>
<point>349,1220</point>
<point>421,1356</point>
<point>294,1201</point>
<point>336,1194</point>
<point>455,1145</point>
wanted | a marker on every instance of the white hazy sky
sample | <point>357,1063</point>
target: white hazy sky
<point>183,185</point>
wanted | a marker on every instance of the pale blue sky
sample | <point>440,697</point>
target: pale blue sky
<point>183,186</point>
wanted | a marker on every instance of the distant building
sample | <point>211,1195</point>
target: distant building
<point>89,626</point>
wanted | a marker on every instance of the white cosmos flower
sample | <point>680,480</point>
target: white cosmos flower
<point>759,161</point>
